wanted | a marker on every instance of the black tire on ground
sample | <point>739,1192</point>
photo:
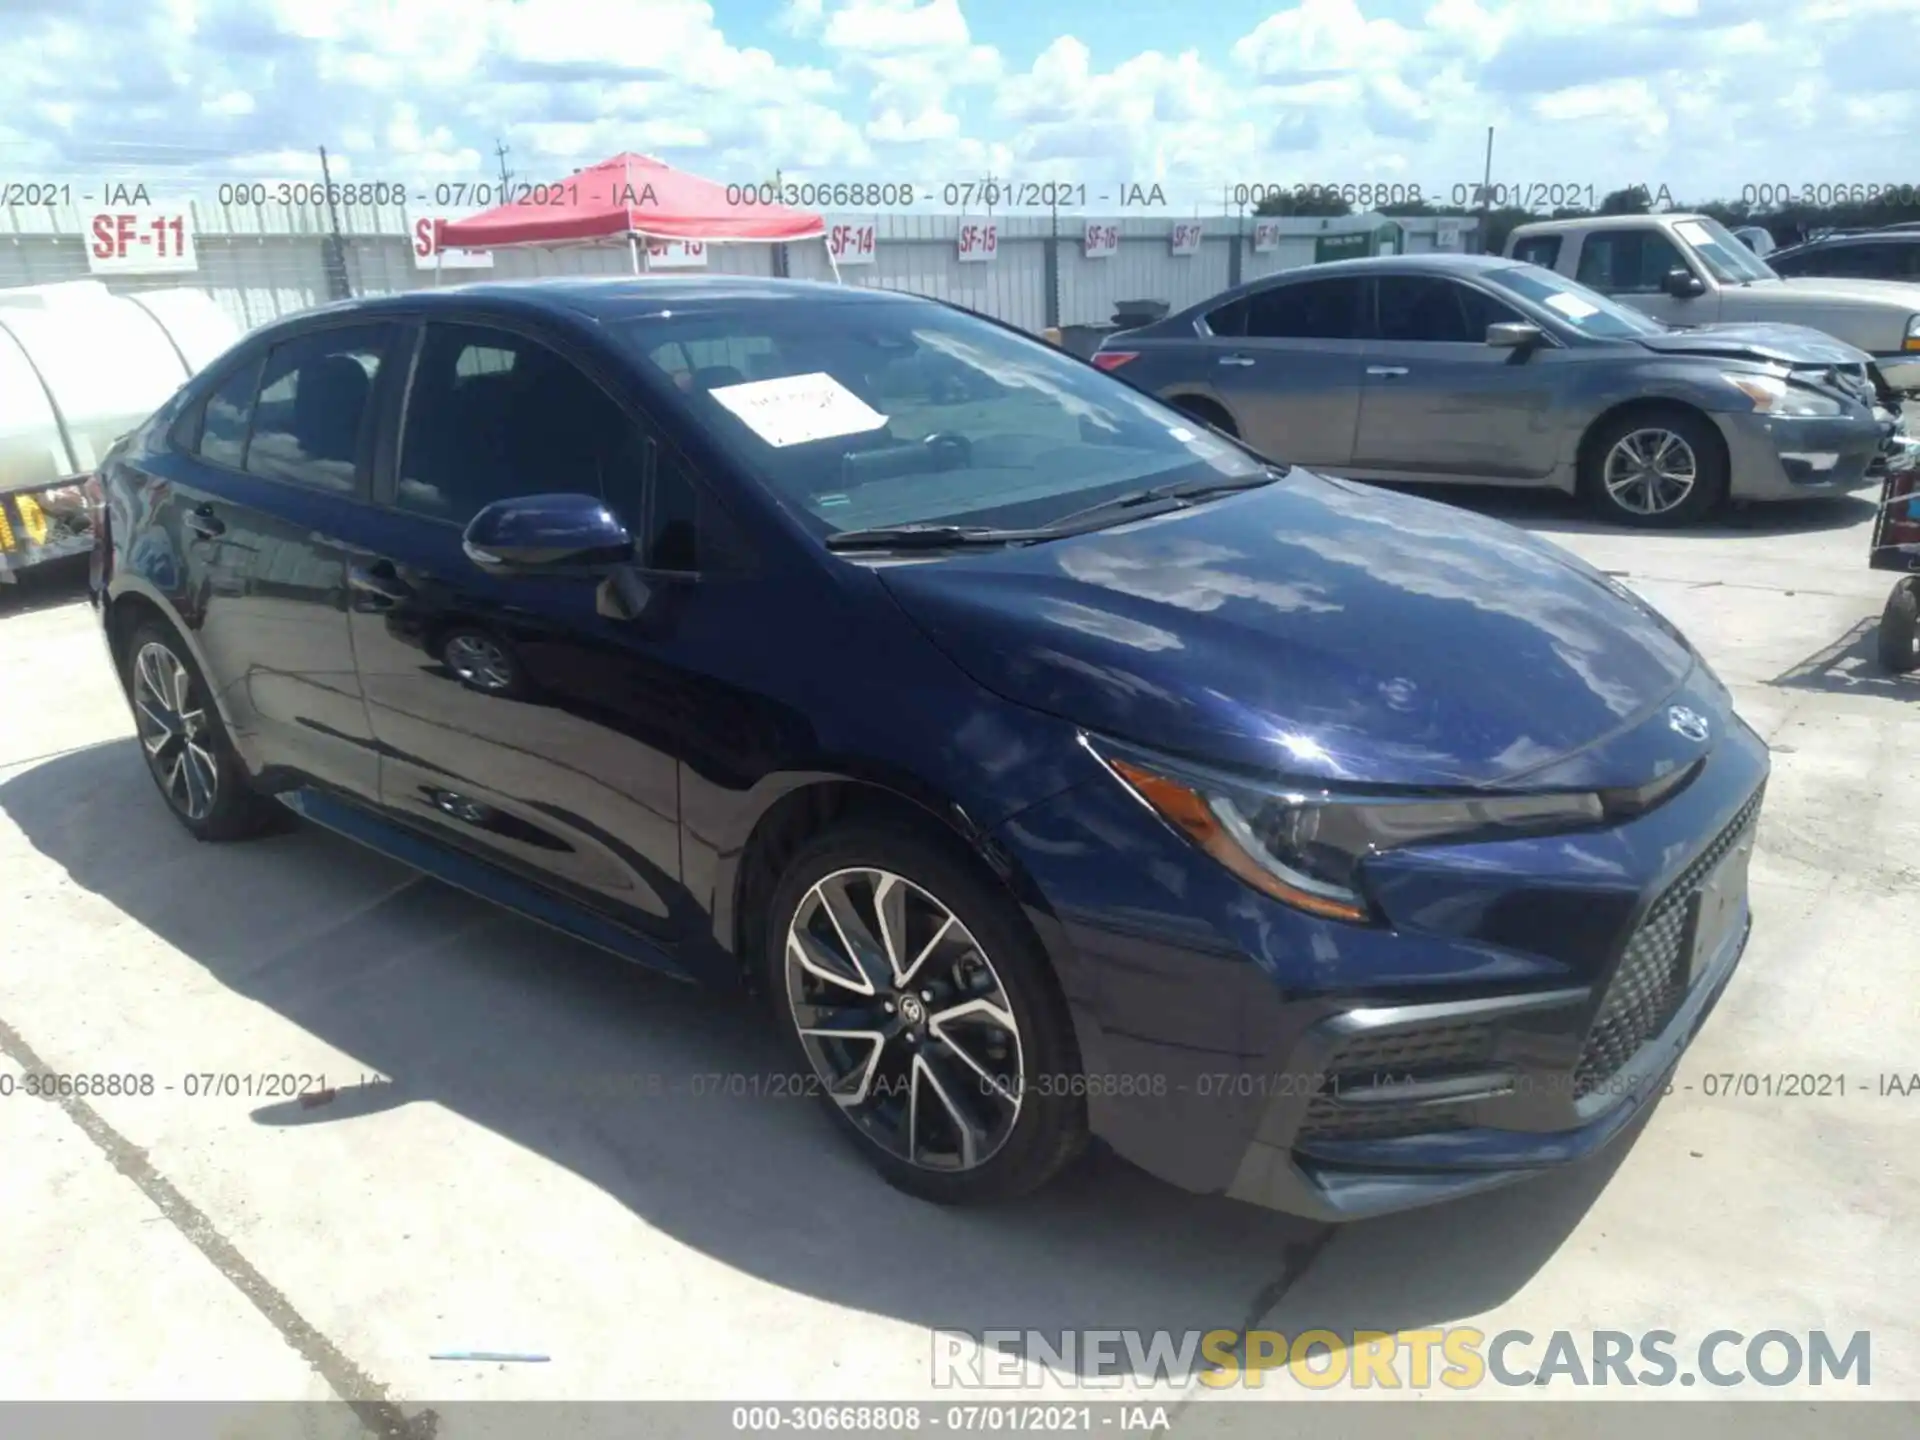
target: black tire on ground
<point>1899,637</point>
<point>1698,440</point>
<point>1206,412</point>
<point>1049,1129</point>
<point>234,810</point>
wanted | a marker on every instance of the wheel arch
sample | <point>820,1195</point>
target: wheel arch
<point>132,605</point>
<point>1585,453</point>
<point>799,808</point>
<point>1203,406</point>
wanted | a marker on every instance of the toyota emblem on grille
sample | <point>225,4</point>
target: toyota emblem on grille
<point>1690,723</point>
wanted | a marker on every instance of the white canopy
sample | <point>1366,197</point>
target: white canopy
<point>81,366</point>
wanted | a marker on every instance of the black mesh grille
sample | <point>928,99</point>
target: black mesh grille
<point>1651,980</point>
<point>1381,1057</point>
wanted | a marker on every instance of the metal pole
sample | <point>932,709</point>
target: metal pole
<point>832,263</point>
<point>339,287</point>
<point>1486,192</point>
<point>633,250</point>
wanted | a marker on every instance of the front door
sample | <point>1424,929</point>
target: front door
<point>503,706</point>
<point>1442,404</point>
<point>1631,265</point>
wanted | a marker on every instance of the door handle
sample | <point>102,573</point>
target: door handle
<point>379,581</point>
<point>1390,371</point>
<point>204,523</point>
<point>1236,360</point>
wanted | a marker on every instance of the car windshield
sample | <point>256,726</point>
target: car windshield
<point>1726,259</point>
<point>860,415</point>
<point>1574,305</point>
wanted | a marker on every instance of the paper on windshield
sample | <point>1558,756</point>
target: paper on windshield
<point>1693,232</point>
<point>794,409</point>
<point>1572,306</point>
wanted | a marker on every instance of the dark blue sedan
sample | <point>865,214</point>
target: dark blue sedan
<point>1051,764</point>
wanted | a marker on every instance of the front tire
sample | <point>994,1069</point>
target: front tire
<point>1899,637</point>
<point>913,993</point>
<point>188,753</point>
<point>1655,469</point>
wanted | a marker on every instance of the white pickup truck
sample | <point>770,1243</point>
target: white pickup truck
<point>1689,270</point>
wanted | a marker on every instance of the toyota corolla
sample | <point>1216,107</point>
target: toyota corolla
<point>1053,766</point>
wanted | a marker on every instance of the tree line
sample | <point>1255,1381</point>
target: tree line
<point>1788,224</point>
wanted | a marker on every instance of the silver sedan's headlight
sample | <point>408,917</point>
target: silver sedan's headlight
<point>1774,396</point>
<point>1913,333</point>
<point>1305,847</point>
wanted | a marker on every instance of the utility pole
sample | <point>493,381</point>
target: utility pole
<point>506,175</point>
<point>333,248</point>
<point>1486,192</point>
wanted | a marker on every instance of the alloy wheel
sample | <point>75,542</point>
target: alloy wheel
<point>905,1019</point>
<point>174,731</point>
<point>479,662</point>
<point>1650,472</point>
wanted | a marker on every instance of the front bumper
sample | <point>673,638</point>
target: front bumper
<point>1781,458</point>
<point>1512,1016</point>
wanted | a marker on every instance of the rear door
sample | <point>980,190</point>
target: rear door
<point>265,486</point>
<point>506,708</point>
<point>1287,361</point>
<point>1442,404</point>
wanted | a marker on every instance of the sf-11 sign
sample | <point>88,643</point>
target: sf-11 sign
<point>979,240</point>
<point>1103,239</point>
<point>853,243</point>
<point>141,241</point>
<point>1266,235</point>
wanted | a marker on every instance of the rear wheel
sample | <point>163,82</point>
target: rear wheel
<point>186,747</point>
<point>1899,638</point>
<point>913,994</point>
<point>1655,468</point>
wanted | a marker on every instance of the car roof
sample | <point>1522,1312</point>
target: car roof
<point>608,297</point>
<point>1594,222</point>
<point>1425,263</point>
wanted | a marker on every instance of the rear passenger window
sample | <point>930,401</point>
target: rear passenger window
<point>1542,250</point>
<point>1306,310</point>
<point>492,415</point>
<point>223,419</point>
<point>312,420</point>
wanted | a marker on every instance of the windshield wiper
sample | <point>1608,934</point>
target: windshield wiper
<point>1187,490</point>
<point>929,537</point>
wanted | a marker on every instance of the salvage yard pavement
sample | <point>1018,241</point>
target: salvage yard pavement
<point>453,1172</point>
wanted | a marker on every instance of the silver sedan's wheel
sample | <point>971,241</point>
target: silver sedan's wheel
<point>1651,471</point>
<point>905,1019</point>
<point>174,732</point>
<point>478,661</point>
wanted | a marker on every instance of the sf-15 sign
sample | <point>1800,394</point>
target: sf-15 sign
<point>141,240</point>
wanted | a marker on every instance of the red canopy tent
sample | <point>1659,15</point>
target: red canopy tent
<point>631,197</point>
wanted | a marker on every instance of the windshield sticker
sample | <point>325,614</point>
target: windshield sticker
<point>795,409</point>
<point>1693,232</point>
<point>1572,306</point>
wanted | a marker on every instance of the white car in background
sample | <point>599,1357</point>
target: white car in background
<point>1690,270</point>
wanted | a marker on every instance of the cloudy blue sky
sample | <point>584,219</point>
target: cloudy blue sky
<point>1703,96</point>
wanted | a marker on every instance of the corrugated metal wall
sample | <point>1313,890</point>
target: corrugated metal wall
<point>261,262</point>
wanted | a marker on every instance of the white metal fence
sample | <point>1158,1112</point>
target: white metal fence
<point>261,262</point>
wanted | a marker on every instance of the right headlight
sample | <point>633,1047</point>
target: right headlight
<point>1774,396</point>
<point>1912,342</point>
<point>1305,847</point>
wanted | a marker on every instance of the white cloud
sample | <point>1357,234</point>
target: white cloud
<point>1701,96</point>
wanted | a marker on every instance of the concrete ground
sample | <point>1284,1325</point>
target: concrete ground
<point>490,1188</point>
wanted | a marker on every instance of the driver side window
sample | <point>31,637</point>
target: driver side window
<point>1628,262</point>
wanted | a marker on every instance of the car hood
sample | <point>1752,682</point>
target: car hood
<point>1901,293</point>
<point>1765,342</point>
<point>1313,627</point>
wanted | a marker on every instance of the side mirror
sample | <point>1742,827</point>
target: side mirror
<point>1683,284</point>
<point>547,535</point>
<point>1514,335</point>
